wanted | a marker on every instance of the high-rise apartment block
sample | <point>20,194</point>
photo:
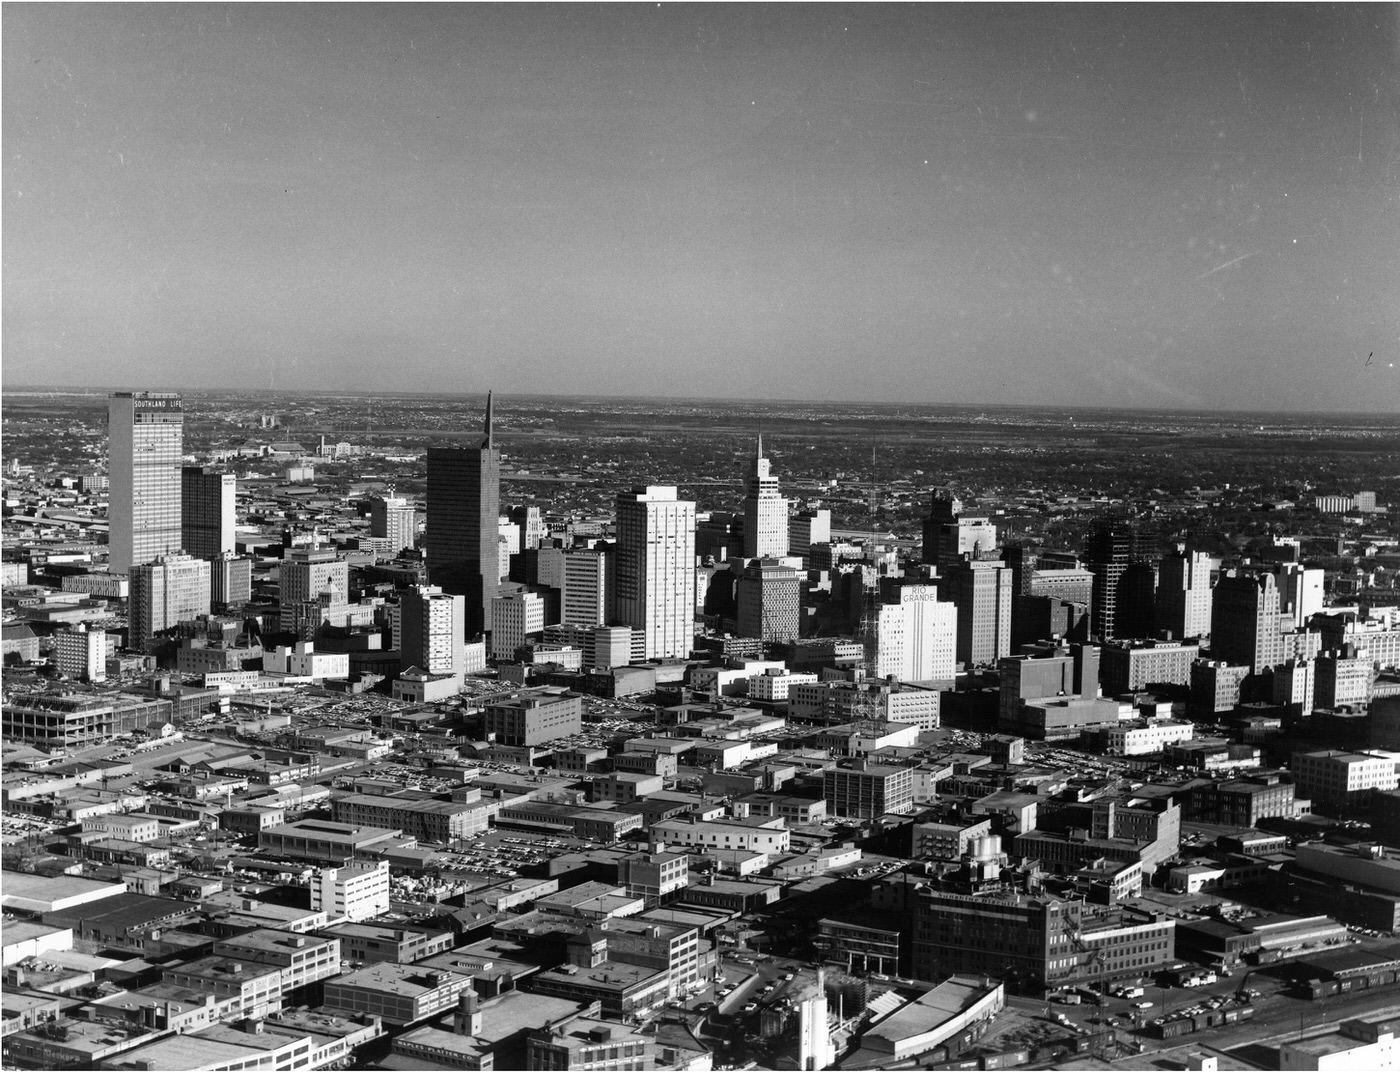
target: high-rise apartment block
<point>517,618</point>
<point>463,536</point>
<point>656,570</point>
<point>208,499</point>
<point>765,511</point>
<point>769,600</point>
<point>164,593</point>
<point>82,653</point>
<point>145,450</point>
<point>431,631</point>
<point>1184,594</point>
<point>394,519</point>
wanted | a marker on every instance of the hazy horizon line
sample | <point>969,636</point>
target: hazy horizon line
<point>98,389</point>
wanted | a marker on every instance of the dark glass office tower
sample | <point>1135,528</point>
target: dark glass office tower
<point>464,506</point>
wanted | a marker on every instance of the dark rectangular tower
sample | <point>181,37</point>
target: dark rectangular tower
<point>464,506</point>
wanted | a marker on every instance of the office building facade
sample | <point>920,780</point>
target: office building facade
<point>765,511</point>
<point>164,593</point>
<point>463,534</point>
<point>655,590</point>
<point>145,449</point>
<point>769,600</point>
<point>208,499</point>
<point>394,519</point>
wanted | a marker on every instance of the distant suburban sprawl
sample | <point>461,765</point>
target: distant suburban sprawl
<point>438,732</point>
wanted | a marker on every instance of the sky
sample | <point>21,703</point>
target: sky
<point>1192,206</point>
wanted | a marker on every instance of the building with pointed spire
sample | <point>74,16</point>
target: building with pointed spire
<point>765,511</point>
<point>464,507</point>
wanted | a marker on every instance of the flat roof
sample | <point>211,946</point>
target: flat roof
<point>33,893</point>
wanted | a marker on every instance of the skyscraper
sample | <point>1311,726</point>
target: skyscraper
<point>163,594</point>
<point>392,518</point>
<point>1244,626</point>
<point>145,445</point>
<point>1107,554</point>
<point>587,580</point>
<point>765,511</point>
<point>769,601</point>
<point>916,635</point>
<point>207,501</point>
<point>981,590</point>
<point>430,637</point>
<point>463,536</point>
<point>656,570</point>
<point>1184,594</point>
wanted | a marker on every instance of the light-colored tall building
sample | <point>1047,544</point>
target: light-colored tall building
<point>208,500</point>
<point>916,636</point>
<point>82,653</point>
<point>394,519</point>
<point>1184,594</point>
<point>304,574</point>
<point>1295,684</point>
<point>431,630</point>
<point>981,590</point>
<point>656,570</point>
<point>145,448</point>
<point>765,511</point>
<point>1299,592</point>
<point>164,593</point>
<point>806,528</point>
<point>463,534</point>
<point>517,617</point>
<point>230,580</point>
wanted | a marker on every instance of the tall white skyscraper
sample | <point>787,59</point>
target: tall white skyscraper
<point>431,625</point>
<point>1184,594</point>
<point>145,446</point>
<point>916,636</point>
<point>394,519</point>
<point>656,570</point>
<point>765,511</point>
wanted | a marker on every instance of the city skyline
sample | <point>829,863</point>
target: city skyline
<point>1144,207</point>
